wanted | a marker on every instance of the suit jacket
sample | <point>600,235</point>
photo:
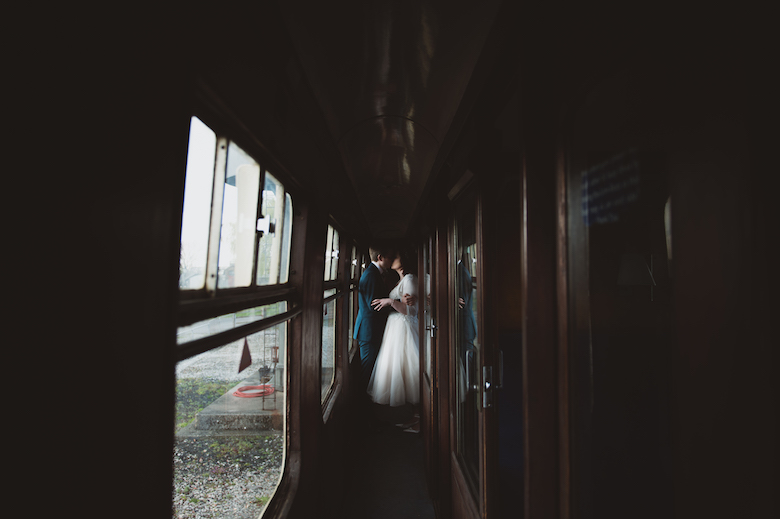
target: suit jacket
<point>370,324</point>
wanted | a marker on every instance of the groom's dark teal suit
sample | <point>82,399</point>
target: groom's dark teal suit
<point>370,324</point>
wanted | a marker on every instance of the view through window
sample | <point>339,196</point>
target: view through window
<point>229,446</point>
<point>230,385</point>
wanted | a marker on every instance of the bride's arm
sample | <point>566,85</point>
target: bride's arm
<point>410,288</point>
<point>398,306</point>
<point>407,302</point>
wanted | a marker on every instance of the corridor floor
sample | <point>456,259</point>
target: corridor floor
<point>388,479</point>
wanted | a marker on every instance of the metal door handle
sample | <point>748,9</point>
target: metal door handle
<point>487,380</point>
<point>431,328</point>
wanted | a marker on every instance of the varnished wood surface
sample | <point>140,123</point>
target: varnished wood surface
<point>540,325</point>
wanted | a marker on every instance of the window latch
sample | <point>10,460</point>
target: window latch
<point>266,226</point>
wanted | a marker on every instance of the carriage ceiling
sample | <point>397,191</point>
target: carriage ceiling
<point>389,78</point>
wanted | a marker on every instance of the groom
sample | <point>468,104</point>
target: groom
<point>370,324</point>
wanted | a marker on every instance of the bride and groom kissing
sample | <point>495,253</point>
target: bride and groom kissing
<point>387,331</point>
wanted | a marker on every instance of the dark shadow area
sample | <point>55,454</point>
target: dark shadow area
<point>510,428</point>
<point>387,479</point>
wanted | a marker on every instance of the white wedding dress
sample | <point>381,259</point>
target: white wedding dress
<point>396,376</point>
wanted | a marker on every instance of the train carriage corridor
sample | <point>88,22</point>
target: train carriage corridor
<point>387,477</point>
<point>586,187</point>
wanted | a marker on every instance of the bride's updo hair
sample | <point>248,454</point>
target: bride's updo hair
<point>408,257</point>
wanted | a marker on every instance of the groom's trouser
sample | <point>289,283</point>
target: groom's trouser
<point>368,352</point>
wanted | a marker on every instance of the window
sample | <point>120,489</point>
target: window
<point>329,313</point>
<point>468,351</point>
<point>222,323</point>
<point>196,215</point>
<point>332,254</point>
<point>232,333</point>
<point>354,271</point>
<point>276,222</point>
<point>229,432</point>
<point>237,217</point>
<point>328,342</point>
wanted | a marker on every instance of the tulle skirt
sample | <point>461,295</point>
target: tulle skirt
<point>396,376</point>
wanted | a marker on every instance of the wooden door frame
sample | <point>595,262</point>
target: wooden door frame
<point>429,406</point>
<point>441,361</point>
<point>303,406</point>
<point>544,299</point>
<point>463,502</point>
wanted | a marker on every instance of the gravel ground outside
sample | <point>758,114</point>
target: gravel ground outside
<point>223,476</point>
<point>230,478</point>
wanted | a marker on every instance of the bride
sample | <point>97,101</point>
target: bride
<point>396,376</point>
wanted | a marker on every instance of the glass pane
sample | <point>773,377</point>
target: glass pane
<point>328,346</point>
<point>239,219</point>
<point>284,267</point>
<point>196,214</point>
<point>428,314</point>
<point>229,443</point>
<point>467,347</point>
<point>352,311</point>
<point>328,254</point>
<point>225,322</point>
<point>353,296</point>
<point>334,256</point>
<point>274,224</point>
<point>331,255</point>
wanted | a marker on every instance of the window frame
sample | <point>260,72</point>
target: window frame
<point>342,318</point>
<point>299,292</point>
<point>212,301</point>
<point>354,283</point>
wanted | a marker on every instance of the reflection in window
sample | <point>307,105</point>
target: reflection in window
<point>196,214</point>
<point>229,449</point>
<point>466,344</point>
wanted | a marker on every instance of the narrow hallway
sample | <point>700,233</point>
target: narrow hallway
<point>388,478</point>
